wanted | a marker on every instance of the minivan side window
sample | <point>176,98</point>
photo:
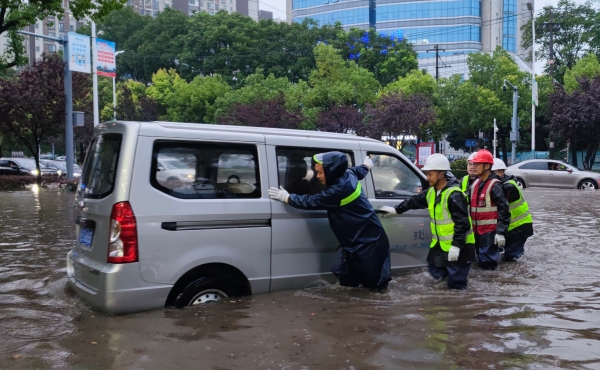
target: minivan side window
<point>200,170</point>
<point>100,169</point>
<point>392,178</point>
<point>296,172</point>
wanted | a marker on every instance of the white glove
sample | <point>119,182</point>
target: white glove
<point>500,240</point>
<point>368,162</point>
<point>389,211</point>
<point>453,253</point>
<point>279,194</point>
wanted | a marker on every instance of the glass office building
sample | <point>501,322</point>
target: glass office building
<point>458,27</point>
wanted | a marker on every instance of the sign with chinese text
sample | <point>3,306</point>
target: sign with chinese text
<point>424,150</point>
<point>79,50</point>
<point>105,62</point>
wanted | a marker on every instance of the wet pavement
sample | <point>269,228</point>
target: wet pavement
<point>539,313</point>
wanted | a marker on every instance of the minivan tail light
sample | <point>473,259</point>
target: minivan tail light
<point>122,240</point>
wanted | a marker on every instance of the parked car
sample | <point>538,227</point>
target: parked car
<point>552,174</point>
<point>23,166</point>
<point>143,242</point>
<point>61,168</point>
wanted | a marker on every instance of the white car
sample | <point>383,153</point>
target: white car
<point>173,173</point>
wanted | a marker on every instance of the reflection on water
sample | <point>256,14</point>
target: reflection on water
<point>539,313</point>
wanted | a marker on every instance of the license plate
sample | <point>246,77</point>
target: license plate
<point>85,236</point>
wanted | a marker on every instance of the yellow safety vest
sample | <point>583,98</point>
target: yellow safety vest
<point>465,184</point>
<point>442,226</point>
<point>519,210</point>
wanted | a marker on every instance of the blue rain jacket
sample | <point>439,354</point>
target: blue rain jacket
<point>364,250</point>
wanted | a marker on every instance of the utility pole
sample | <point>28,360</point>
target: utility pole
<point>514,133</point>
<point>373,15</point>
<point>437,50</point>
<point>534,89</point>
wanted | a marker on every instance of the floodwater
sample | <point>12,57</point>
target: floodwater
<point>539,313</point>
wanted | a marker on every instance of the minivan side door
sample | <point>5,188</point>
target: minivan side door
<point>215,208</point>
<point>304,247</point>
<point>392,180</point>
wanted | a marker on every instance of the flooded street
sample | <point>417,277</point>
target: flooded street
<point>542,312</point>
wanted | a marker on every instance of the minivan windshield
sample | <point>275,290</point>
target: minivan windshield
<point>100,168</point>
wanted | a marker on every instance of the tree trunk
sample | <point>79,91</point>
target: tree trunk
<point>590,156</point>
<point>574,153</point>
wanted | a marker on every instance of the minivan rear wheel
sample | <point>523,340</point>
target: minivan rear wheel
<point>203,291</point>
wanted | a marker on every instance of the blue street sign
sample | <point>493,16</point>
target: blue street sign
<point>471,143</point>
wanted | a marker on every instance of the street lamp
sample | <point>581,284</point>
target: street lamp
<point>533,82</point>
<point>115,88</point>
<point>514,133</point>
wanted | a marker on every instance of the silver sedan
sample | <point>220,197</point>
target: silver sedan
<point>552,174</point>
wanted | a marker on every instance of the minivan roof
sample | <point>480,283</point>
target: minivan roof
<point>151,129</point>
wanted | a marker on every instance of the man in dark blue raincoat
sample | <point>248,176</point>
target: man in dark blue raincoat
<point>364,250</point>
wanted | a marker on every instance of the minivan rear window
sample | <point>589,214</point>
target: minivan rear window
<point>100,168</point>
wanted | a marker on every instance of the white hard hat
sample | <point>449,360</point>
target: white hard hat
<point>471,157</point>
<point>498,164</point>
<point>436,162</point>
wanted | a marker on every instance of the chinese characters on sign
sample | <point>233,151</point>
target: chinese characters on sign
<point>424,150</point>
<point>79,50</point>
<point>105,62</point>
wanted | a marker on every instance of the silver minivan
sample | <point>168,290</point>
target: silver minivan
<point>208,229</point>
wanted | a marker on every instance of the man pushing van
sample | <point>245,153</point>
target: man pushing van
<point>364,248</point>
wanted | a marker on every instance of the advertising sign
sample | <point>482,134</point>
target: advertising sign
<point>471,143</point>
<point>105,62</point>
<point>424,150</point>
<point>79,48</point>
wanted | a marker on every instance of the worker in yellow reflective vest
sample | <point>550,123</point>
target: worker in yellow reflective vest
<point>364,250</point>
<point>468,179</point>
<point>452,247</point>
<point>521,223</point>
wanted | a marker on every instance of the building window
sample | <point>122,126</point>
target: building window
<point>61,26</point>
<point>52,48</point>
<point>142,11</point>
<point>71,27</point>
<point>155,5</point>
<point>37,25</point>
<point>52,34</point>
<point>217,7</point>
<point>230,9</point>
<point>50,17</point>
<point>37,48</point>
<point>211,6</point>
<point>193,2</point>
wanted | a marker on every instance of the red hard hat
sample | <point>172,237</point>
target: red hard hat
<point>483,156</point>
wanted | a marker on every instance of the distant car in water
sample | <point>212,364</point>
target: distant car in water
<point>553,174</point>
<point>23,166</point>
<point>61,168</point>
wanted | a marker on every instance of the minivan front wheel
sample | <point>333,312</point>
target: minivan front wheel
<point>203,291</point>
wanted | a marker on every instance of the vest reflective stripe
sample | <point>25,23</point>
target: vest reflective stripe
<point>519,210</point>
<point>485,217</point>
<point>465,184</point>
<point>441,224</point>
<point>350,198</point>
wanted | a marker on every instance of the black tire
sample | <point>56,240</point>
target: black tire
<point>521,183</point>
<point>587,184</point>
<point>204,290</point>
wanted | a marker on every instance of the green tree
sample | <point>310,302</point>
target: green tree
<point>336,81</point>
<point>387,57</point>
<point>416,81</point>
<point>576,32</point>
<point>587,67</point>
<point>17,14</point>
<point>257,87</point>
